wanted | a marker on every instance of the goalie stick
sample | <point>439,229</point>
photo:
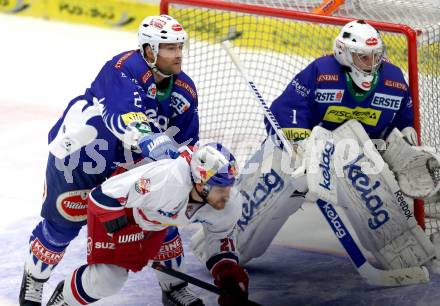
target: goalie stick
<point>372,275</point>
<point>195,281</point>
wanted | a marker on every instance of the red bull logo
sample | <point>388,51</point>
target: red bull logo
<point>142,186</point>
<point>372,41</point>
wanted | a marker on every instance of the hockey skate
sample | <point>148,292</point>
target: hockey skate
<point>31,290</point>
<point>57,298</point>
<point>180,295</point>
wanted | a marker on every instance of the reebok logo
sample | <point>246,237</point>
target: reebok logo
<point>403,205</point>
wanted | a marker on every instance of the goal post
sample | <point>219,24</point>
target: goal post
<point>274,43</point>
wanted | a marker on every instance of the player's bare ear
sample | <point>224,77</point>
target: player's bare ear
<point>198,186</point>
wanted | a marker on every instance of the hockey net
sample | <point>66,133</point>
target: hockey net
<point>276,39</point>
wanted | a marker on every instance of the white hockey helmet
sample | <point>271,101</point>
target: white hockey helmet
<point>156,30</point>
<point>213,165</point>
<point>360,48</point>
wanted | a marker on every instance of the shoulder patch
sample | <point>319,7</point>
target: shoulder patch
<point>328,78</point>
<point>147,75</point>
<point>123,58</point>
<point>187,87</point>
<point>143,185</point>
<point>395,84</point>
<point>299,88</point>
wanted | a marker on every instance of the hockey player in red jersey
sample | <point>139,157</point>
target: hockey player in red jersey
<point>130,212</point>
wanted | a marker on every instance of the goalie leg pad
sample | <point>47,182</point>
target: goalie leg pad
<point>268,195</point>
<point>377,209</point>
<point>256,238</point>
<point>368,190</point>
<point>410,249</point>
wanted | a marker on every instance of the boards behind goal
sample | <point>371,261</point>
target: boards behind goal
<point>275,39</point>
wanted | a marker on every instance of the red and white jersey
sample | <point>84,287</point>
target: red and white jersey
<point>159,192</point>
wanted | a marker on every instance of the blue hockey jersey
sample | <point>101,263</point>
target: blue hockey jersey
<point>93,127</point>
<point>322,94</point>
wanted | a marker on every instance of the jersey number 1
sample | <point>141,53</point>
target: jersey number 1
<point>294,116</point>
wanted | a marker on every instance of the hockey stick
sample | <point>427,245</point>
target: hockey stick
<point>195,281</point>
<point>372,275</point>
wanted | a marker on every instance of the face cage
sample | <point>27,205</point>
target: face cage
<point>366,63</point>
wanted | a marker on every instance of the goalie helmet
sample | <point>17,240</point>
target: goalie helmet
<point>213,165</point>
<point>360,48</point>
<point>156,30</point>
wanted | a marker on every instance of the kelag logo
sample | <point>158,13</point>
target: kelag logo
<point>333,218</point>
<point>365,189</point>
<point>324,165</point>
<point>268,183</point>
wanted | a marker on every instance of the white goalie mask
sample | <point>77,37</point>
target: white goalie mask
<point>156,30</point>
<point>360,48</point>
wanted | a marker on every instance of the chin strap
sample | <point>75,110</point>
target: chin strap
<point>155,68</point>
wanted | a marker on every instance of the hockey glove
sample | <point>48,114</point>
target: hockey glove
<point>234,280</point>
<point>129,248</point>
<point>158,146</point>
<point>133,132</point>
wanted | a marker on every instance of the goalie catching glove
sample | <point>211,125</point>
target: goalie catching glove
<point>416,168</point>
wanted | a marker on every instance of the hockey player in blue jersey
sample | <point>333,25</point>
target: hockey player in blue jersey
<point>141,105</point>
<point>356,82</point>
